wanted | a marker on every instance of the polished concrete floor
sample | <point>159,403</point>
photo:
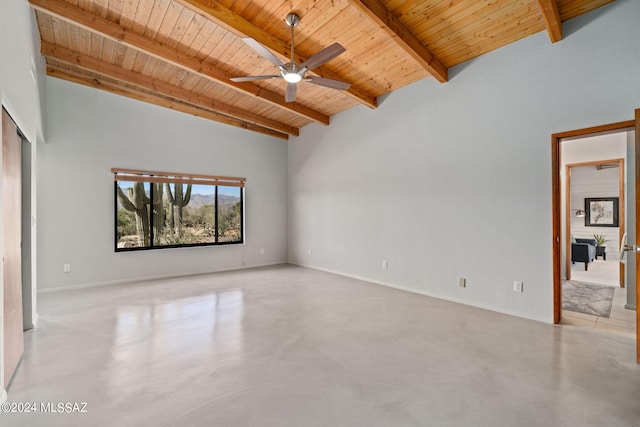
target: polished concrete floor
<point>288,346</point>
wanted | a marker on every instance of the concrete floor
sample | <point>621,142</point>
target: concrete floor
<point>288,346</point>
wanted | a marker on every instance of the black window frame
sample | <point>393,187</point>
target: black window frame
<point>153,246</point>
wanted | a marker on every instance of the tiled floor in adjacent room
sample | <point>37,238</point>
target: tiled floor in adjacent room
<point>622,321</point>
<point>600,272</point>
<point>288,346</point>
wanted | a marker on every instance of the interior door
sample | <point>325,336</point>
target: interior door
<point>11,252</point>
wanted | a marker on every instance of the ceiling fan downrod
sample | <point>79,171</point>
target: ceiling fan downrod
<point>292,21</point>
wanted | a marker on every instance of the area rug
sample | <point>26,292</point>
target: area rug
<point>588,299</point>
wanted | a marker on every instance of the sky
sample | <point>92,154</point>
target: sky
<point>196,189</point>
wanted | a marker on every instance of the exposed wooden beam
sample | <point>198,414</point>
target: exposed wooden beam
<point>231,21</point>
<point>552,21</point>
<point>123,35</point>
<point>381,16</point>
<point>163,88</point>
<point>152,98</point>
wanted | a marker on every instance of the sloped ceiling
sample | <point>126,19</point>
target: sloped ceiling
<point>181,54</point>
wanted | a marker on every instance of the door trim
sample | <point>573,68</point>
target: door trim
<point>556,197</point>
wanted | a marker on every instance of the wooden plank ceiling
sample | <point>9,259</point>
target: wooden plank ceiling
<point>181,54</point>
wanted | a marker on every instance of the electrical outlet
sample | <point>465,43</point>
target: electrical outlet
<point>462,282</point>
<point>309,251</point>
<point>518,286</point>
<point>261,251</point>
<point>385,264</point>
<point>66,268</point>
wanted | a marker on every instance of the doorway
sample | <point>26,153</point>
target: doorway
<point>594,296</point>
<point>584,184</point>
<point>557,207</point>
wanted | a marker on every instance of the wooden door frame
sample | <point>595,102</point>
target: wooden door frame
<point>567,217</point>
<point>556,197</point>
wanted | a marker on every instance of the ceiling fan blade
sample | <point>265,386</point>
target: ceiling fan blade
<point>333,84</point>
<point>292,90</point>
<point>325,55</point>
<point>263,51</point>
<point>252,78</point>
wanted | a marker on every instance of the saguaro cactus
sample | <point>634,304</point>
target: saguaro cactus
<point>158,209</point>
<point>178,201</point>
<point>137,202</point>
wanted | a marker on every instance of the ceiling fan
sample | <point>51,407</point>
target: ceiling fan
<point>293,72</point>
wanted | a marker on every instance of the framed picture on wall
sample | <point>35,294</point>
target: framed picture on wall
<point>601,212</point>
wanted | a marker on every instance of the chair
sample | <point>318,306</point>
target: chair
<point>583,250</point>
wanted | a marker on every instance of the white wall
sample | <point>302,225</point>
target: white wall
<point>20,92</point>
<point>582,150</point>
<point>449,180</point>
<point>20,95</point>
<point>91,131</point>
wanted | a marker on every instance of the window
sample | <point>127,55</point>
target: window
<point>167,210</point>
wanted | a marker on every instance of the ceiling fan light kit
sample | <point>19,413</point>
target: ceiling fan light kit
<point>291,72</point>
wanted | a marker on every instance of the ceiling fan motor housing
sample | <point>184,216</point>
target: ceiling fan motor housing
<point>291,73</point>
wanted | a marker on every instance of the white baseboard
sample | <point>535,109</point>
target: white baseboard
<point>630,306</point>
<point>149,278</point>
<point>421,292</point>
<point>34,322</point>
